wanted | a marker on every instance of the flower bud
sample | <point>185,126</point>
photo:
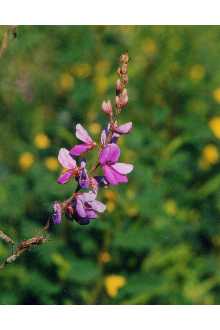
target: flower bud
<point>124,58</point>
<point>107,107</point>
<point>122,100</point>
<point>125,78</point>
<point>124,68</point>
<point>119,87</point>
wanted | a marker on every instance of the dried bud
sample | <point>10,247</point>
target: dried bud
<point>122,100</point>
<point>69,211</point>
<point>124,78</point>
<point>124,68</point>
<point>119,87</point>
<point>124,58</point>
<point>107,107</point>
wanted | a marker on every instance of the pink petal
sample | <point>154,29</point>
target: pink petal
<point>80,208</point>
<point>89,196</point>
<point>110,153</point>
<point>123,168</point>
<point>80,149</point>
<point>112,176</point>
<point>82,134</point>
<point>124,129</point>
<point>65,159</point>
<point>98,206</point>
<point>65,177</point>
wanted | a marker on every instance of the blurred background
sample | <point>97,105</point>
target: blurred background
<point>159,241</point>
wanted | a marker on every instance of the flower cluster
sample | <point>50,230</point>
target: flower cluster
<point>83,206</point>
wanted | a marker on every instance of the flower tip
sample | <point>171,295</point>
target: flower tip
<point>107,107</point>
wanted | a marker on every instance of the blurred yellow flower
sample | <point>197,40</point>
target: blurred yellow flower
<point>113,283</point>
<point>110,206</point>
<point>101,84</point>
<point>150,47</point>
<point>26,160</point>
<point>130,193</point>
<point>216,95</point>
<point>66,82</point>
<point>102,67</point>
<point>51,163</point>
<point>41,141</point>
<point>197,72</point>
<point>95,128</point>
<point>82,70</point>
<point>170,207</point>
<point>210,154</point>
<point>110,195</point>
<point>104,257</point>
<point>132,211</point>
<point>214,125</point>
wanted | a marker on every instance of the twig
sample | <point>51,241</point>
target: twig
<point>6,238</point>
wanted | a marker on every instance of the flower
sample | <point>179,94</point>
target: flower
<point>197,72</point>
<point>214,125</point>
<point>87,207</point>
<point>57,215</point>
<point>83,178</point>
<point>210,154</point>
<point>107,107</point>
<point>117,131</point>
<point>216,95</point>
<point>114,172</point>
<point>66,82</point>
<point>113,283</point>
<point>104,257</point>
<point>41,141</point>
<point>83,136</point>
<point>69,164</point>
<point>26,160</point>
<point>51,163</point>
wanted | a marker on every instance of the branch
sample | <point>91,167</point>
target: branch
<point>24,245</point>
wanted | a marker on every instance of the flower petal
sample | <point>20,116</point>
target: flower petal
<point>57,215</point>
<point>123,168</point>
<point>79,149</point>
<point>110,154</point>
<point>65,159</point>
<point>82,134</point>
<point>88,197</point>
<point>124,129</point>
<point>65,177</point>
<point>98,206</point>
<point>112,176</point>
<point>80,208</point>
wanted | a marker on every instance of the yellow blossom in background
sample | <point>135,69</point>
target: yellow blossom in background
<point>110,195</point>
<point>170,207</point>
<point>214,125</point>
<point>104,257</point>
<point>51,163</point>
<point>216,95</point>
<point>132,211</point>
<point>101,84</point>
<point>95,128</point>
<point>66,82</point>
<point>197,72</point>
<point>102,67</point>
<point>81,70</point>
<point>150,47</point>
<point>110,206</point>
<point>113,283</point>
<point>41,141</point>
<point>210,154</point>
<point>131,194</point>
<point>26,160</point>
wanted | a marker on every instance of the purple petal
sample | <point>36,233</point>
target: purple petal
<point>90,214</point>
<point>80,208</point>
<point>114,177</point>
<point>110,154</point>
<point>65,177</point>
<point>122,168</point>
<point>124,129</point>
<point>57,215</point>
<point>82,134</point>
<point>88,197</point>
<point>98,206</point>
<point>83,179</point>
<point>65,159</point>
<point>79,149</point>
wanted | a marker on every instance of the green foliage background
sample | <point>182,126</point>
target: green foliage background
<point>162,230</point>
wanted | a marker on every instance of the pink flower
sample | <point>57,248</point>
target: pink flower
<point>107,107</point>
<point>83,136</point>
<point>69,165</point>
<point>114,172</point>
<point>117,132</point>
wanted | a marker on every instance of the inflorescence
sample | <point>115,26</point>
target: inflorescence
<point>83,206</point>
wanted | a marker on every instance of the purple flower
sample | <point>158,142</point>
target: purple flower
<point>117,132</point>
<point>57,214</point>
<point>83,178</point>
<point>83,136</point>
<point>69,165</point>
<point>87,207</point>
<point>114,172</point>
